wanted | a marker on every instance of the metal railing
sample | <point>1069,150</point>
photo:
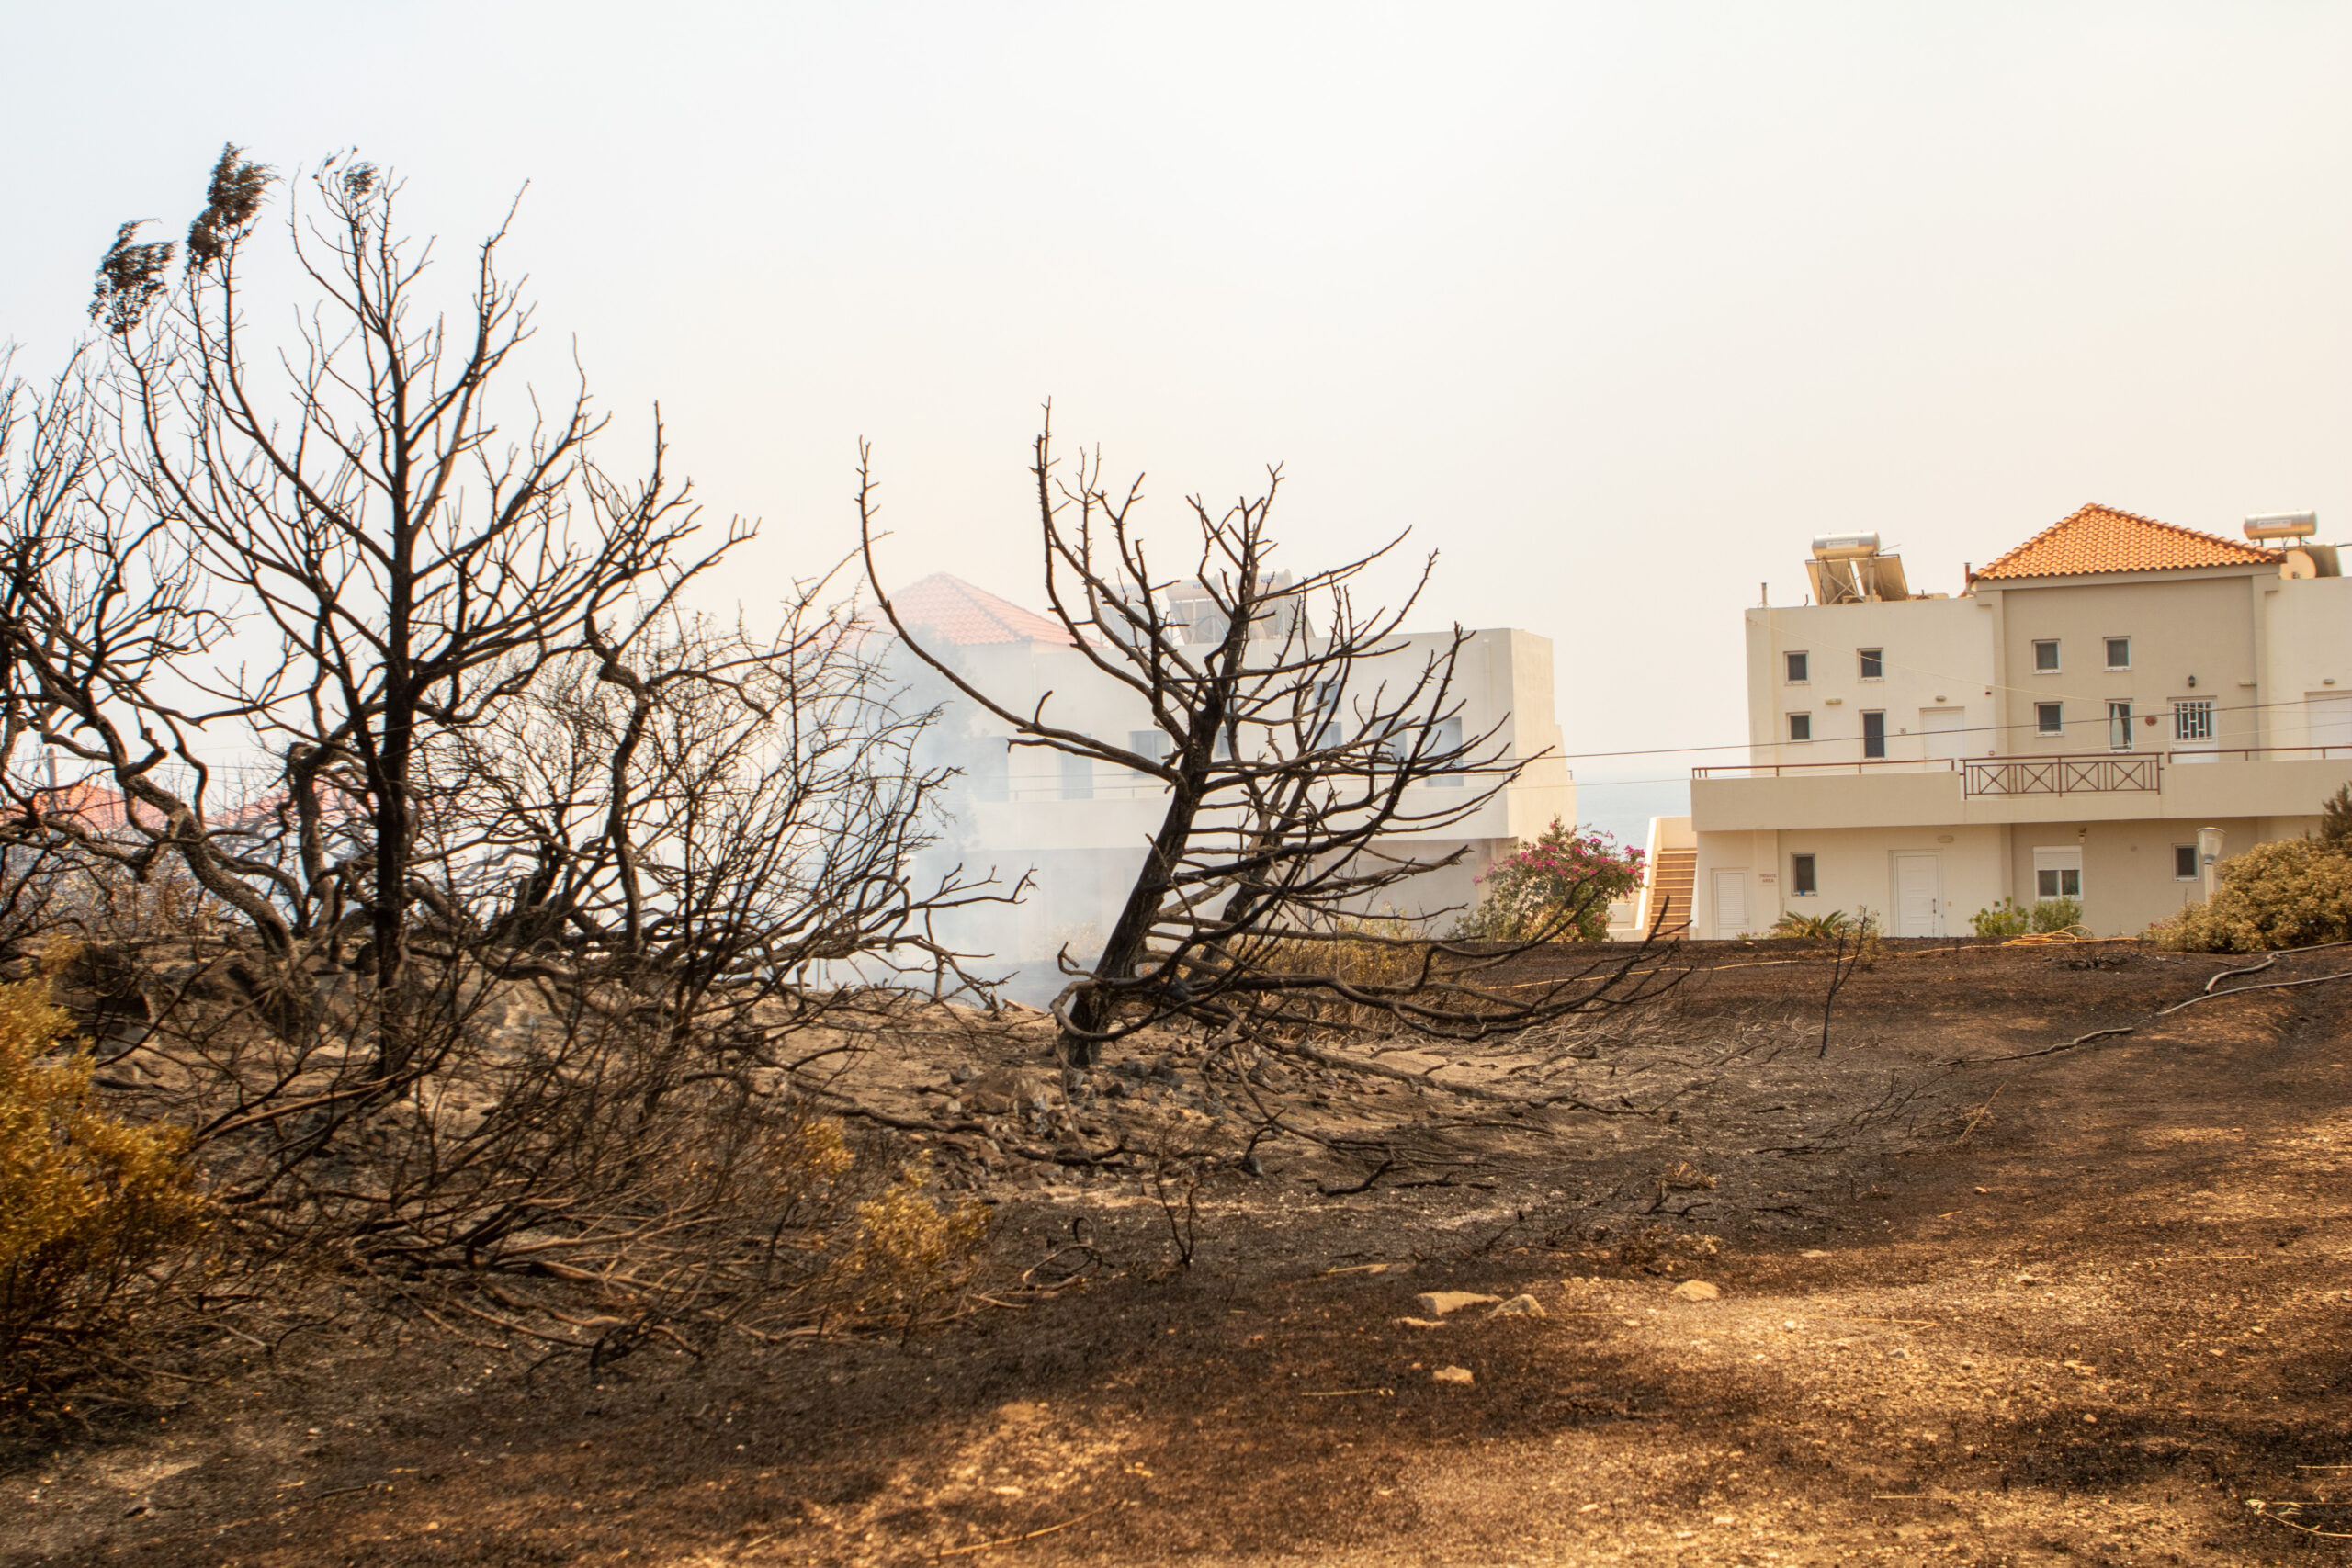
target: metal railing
<point>2095,773</point>
<point>2103,773</point>
<point>2261,753</point>
<point>1814,770</point>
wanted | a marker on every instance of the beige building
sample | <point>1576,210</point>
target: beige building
<point>2098,715</point>
<point>1082,825</point>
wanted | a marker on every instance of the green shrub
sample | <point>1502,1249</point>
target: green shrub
<point>2287,892</point>
<point>1819,928</point>
<point>2007,918</point>
<point>2057,914</point>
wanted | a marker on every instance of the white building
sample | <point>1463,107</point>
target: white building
<point>1083,825</point>
<point>2065,726</point>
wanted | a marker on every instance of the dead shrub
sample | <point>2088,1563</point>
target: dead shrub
<point>2287,892</point>
<point>1374,954</point>
<point>909,1250</point>
<point>87,1201</point>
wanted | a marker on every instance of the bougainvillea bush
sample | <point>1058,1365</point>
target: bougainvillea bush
<point>1558,887</point>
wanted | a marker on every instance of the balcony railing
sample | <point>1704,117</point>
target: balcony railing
<point>2263,754</point>
<point>1815,770</point>
<point>2103,773</point>
<point>2095,772</point>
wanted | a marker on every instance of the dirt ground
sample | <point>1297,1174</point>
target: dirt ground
<point>2086,1307</point>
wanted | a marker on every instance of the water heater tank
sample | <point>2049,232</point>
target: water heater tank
<point>1844,547</point>
<point>2282,525</point>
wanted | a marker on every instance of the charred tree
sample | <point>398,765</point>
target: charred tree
<point>1297,739</point>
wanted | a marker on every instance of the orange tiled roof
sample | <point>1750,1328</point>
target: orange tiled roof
<point>954,612</point>
<point>2099,538</point>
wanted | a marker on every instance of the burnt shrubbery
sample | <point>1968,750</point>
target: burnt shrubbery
<point>444,920</point>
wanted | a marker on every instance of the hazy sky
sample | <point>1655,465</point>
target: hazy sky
<point>1614,305</point>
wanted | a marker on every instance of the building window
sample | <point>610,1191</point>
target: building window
<point>2119,653</point>
<point>2193,719</point>
<point>2048,718</point>
<point>2118,727</point>
<point>1803,881</point>
<point>2057,871</point>
<point>2045,658</point>
<point>1800,727</point>
<point>1078,778</point>
<point>1874,664</point>
<point>1799,666</point>
<point>1152,743</point>
<point>1445,740</point>
<point>2184,863</point>
<point>2058,881</point>
<point>1873,735</point>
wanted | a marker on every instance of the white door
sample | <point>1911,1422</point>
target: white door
<point>2329,718</point>
<point>1942,727</point>
<point>1731,903</point>
<point>1918,895</point>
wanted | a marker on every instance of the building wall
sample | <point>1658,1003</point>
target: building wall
<point>1937,655</point>
<point>1082,825</point>
<point>1855,869</point>
<point>2127,868</point>
<point>2307,660</point>
<point>2181,625</point>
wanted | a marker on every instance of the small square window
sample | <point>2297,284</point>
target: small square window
<point>2045,658</point>
<point>2048,718</point>
<point>2049,883</point>
<point>1800,664</point>
<point>1800,727</point>
<point>2119,653</point>
<point>2184,863</point>
<point>1803,881</point>
<point>1874,664</point>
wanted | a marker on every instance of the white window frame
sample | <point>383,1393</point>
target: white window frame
<point>1806,719</point>
<point>1811,863</point>
<point>2051,644</point>
<point>1865,657</point>
<point>2057,711</point>
<point>2109,644</point>
<point>1794,659</point>
<point>2201,710</point>
<point>2058,866</point>
<point>2119,718</point>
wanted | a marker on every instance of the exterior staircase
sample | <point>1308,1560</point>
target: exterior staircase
<point>1673,875</point>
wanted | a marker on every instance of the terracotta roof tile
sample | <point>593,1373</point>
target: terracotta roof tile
<point>954,612</point>
<point>2100,538</point>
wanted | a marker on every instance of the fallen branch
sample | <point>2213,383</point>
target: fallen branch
<point>2265,985</point>
<point>2207,995</point>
